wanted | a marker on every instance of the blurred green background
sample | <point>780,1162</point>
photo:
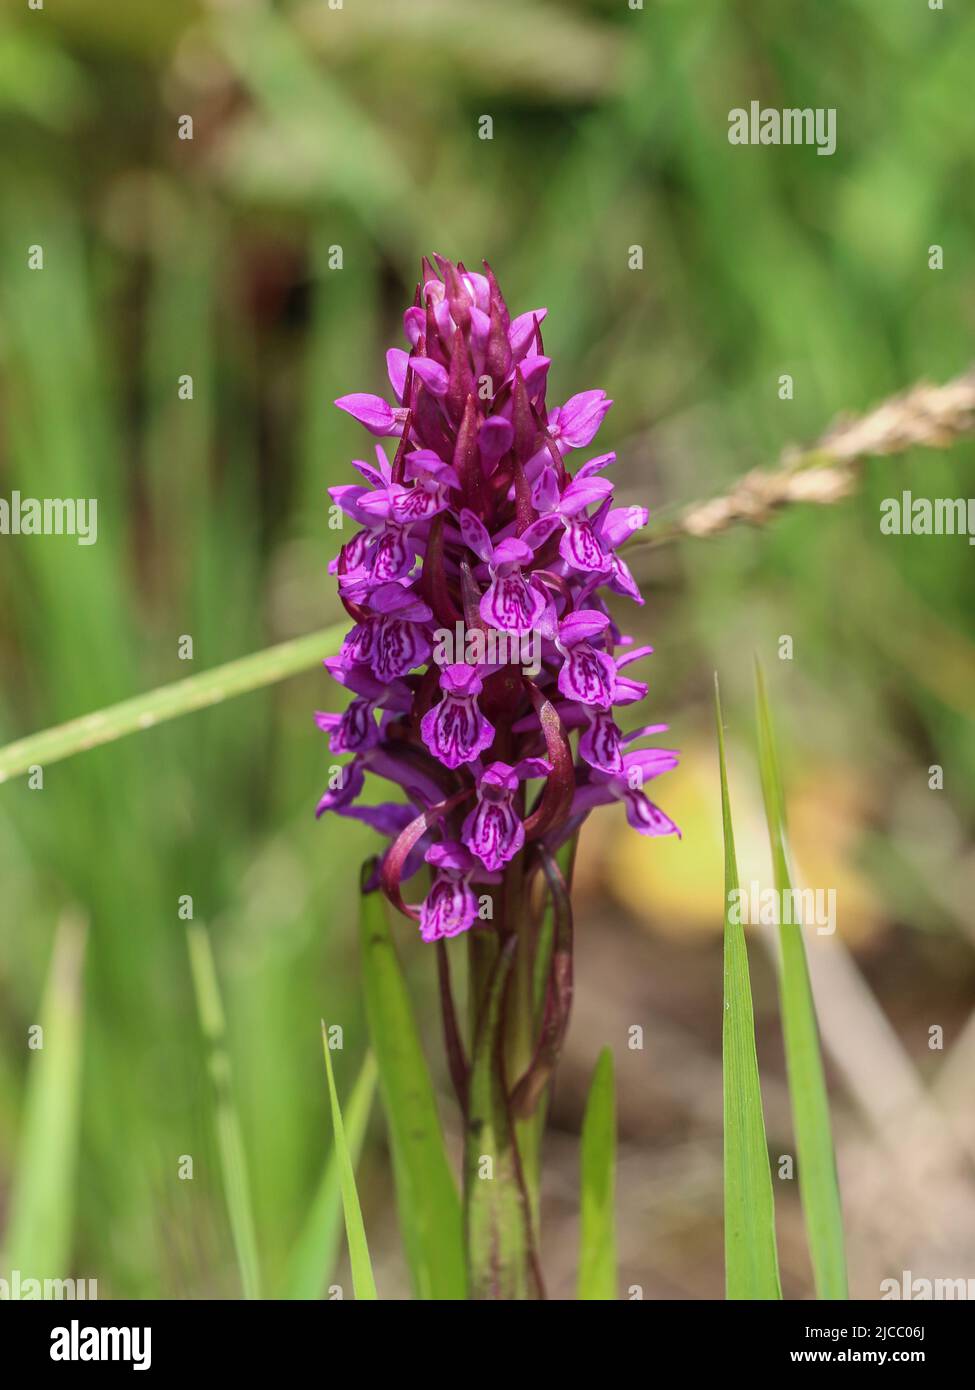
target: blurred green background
<point>358,128</point>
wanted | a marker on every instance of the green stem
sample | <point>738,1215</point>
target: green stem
<point>169,701</point>
<point>499,1203</point>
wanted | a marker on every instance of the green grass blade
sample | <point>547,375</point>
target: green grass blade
<point>317,1246</point>
<point>230,1139</point>
<point>38,1241</point>
<point>168,701</point>
<point>751,1258</point>
<point>427,1199</point>
<point>818,1185</point>
<point>597,1237</point>
<point>363,1281</point>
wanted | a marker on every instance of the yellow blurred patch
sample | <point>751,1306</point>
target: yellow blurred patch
<point>676,886</point>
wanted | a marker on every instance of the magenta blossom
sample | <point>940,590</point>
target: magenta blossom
<point>477,522</point>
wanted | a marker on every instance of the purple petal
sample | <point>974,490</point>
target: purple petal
<point>621,580</point>
<point>511,604</point>
<point>644,816</point>
<point>371,411</point>
<point>358,644</point>
<point>414,322</point>
<point>534,370</point>
<point>545,493</point>
<point>396,362</point>
<point>580,549</point>
<point>449,908</point>
<point>494,440</point>
<point>349,497</point>
<point>522,331</point>
<point>584,492</point>
<point>398,647</point>
<point>460,679</point>
<point>582,626</point>
<point>621,523</point>
<point>451,854</point>
<point>433,376</point>
<point>600,743</point>
<point>455,731</point>
<point>356,730</point>
<point>389,818</point>
<point>644,763</point>
<point>512,551</point>
<point>394,555</point>
<point>588,676</point>
<point>579,419</point>
<point>594,465</point>
<point>494,833</point>
<point>539,531</point>
<point>417,504</point>
<point>475,535</point>
<point>532,767</point>
<point>351,781</point>
<point>628,692</point>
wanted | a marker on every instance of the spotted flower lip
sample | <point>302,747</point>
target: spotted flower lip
<point>455,731</point>
<point>493,830</point>
<point>471,517</point>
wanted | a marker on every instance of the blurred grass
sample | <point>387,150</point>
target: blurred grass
<point>818,1181</point>
<point>41,1214</point>
<point>597,1276</point>
<point>211,257</point>
<point>363,1280</point>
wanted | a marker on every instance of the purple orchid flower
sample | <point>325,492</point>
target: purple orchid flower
<point>579,546</point>
<point>587,675</point>
<point>450,907</point>
<point>356,729</point>
<point>478,523</point>
<point>493,830</point>
<point>455,730</point>
<point>577,423</point>
<point>511,602</point>
<point>627,786</point>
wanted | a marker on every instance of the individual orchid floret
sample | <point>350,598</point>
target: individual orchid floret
<point>578,546</point>
<point>576,424</point>
<point>587,675</point>
<point>450,907</point>
<point>393,638</point>
<point>613,527</point>
<point>638,768</point>
<point>356,729</point>
<point>511,602</point>
<point>455,730</point>
<point>494,830</point>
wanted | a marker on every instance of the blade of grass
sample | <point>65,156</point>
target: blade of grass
<point>316,1249</point>
<point>818,1185</point>
<point>230,1139</point>
<point>597,1236</point>
<point>363,1281</point>
<point>427,1199</point>
<point>168,701</point>
<point>38,1240</point>
<point>751,1257</point>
